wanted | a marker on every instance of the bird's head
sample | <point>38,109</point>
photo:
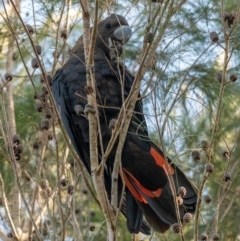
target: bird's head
<point>111,31</point>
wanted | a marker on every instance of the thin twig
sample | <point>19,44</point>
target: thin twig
<point>198,205</point>
<point>96,170</point>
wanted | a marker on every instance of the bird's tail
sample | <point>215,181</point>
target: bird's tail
<point>158,202</point>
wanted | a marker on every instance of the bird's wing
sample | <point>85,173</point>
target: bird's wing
<point>68,92</point>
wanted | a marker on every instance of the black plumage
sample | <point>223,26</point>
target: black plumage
<point>144,168</point>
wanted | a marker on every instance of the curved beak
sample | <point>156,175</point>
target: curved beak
<point>123,33</point>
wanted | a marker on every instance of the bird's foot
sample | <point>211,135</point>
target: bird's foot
<point>112,124</point>
<point>89,109</point>
<point>79,109</point>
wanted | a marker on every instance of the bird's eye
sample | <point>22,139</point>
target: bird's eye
<point>107,25</point>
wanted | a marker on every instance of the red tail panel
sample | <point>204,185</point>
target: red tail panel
<point>162,162</point>
<point>132,189</point>
<point>136,188</point>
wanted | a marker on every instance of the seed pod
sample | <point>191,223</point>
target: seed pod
<point>149,37</point>
<point>36,145</point>
<point>214,37</point>
<point>72,162</point>
<point>38,49</point>
<point>48,114</point>
<point>17,157</point>
<point>42,79</point>
<point>44,125</point>
<point>182,191</point>
<point>88,89</point>
<point>209,167</point>
<point>176,227</point>
<point>226,177</point>
<point>187,217</point>
<point>16,139</point>
<point>14,56</point>
<point>44,90</point>
<point>35,63</point>
<point>203,237</point>
<point>85,191</point>
<point>64,34</point>
<point>18,149</point>
<point>36,96</point>
<point>225,16</point>
<point>77,211</point>
<point>92,228</point>
<point>233,77</point>
<point>196,155</point>
<point>50,136</point>
<point>225,153</point>
<point>42,97</point>
<point>207,199</point>
<point>229,18</point>
<point>49,79</point>
<point>219,77</point>
<point>29,28</point>
<point>179,201</point>
<point>8,77</point>
<point>38,106</point>
<point>63,182</point>
<point>204,145</point>
<point>70,190</point>
<point>215,237</point>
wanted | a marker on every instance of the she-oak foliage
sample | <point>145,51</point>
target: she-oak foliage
<point>186,67</point>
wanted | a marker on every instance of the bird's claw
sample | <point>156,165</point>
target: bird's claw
<point>78,109</point>
<point>89,109</point>
<point>112,124</point>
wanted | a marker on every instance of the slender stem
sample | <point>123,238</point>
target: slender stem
<point>96,170</point>
<point>198,205</point>
<point>5,203</point>
<point>36,191</point>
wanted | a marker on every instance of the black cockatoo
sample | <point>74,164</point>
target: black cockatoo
<point>145,170</point>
